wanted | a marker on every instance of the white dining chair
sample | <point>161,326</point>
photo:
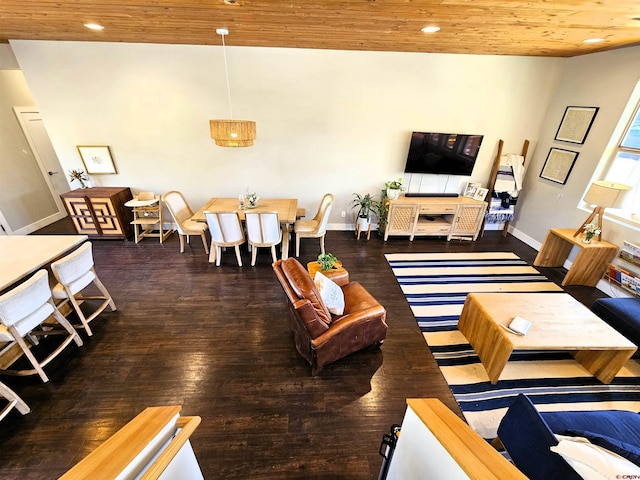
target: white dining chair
<point>263,230</point>
<point>226,231</point>
<point>23,311</point>
<point>74,273</point>
<point>182,213</point>
<point>315,227</point>
<point>14,402</point>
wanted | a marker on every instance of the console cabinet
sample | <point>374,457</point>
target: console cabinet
<point>100,212</point>
<point>450,217</point>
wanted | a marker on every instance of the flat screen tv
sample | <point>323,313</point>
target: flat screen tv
<point>442,153</point>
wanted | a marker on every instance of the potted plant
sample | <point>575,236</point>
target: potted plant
<point>366,205</point>
<point>327,261</point>
<point>590,231</point>
<point>394,188</point>
<point>80,176</point>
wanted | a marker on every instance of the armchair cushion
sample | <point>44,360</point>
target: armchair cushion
<point>303,286</point>
<point>330,293</point>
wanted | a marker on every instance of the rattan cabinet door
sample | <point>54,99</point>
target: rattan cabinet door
<point>400,220</point>
<point>468,220</point>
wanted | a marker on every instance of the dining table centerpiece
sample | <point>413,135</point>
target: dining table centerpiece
<point>252,199</point>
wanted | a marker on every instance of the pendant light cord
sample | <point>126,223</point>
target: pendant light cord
<point>226,71</point>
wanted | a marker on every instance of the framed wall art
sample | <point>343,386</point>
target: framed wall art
<point>96,159</point>
<point>558,165</point>
<point>576,123</point>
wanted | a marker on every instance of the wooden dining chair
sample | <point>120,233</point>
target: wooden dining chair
<point>182,213</point>
<point>315,227</point>
<point>263,230</point>
<point>14,402</point>
<point>226,231</point>
<point>23,311</point>
<point>74,273</point>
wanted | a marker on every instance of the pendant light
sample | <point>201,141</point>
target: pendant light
<point>231,133</point>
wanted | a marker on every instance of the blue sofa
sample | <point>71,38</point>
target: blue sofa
<point>623,314</point>
<point>527,435</point>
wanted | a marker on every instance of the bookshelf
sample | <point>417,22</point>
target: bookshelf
<point>626,274</point>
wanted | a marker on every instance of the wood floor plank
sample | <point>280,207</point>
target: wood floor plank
<point>216,340</point>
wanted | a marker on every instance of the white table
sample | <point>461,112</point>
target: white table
<point>21,255</point>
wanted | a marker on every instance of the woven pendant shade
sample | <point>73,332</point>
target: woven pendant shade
<point>233,133</point>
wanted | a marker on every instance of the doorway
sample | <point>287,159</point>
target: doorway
<point>52,182</point>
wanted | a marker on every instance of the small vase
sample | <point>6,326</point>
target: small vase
<point>587,238</point>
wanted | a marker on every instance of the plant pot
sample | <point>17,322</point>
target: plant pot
<point>363,223</point>
<point>393,193</point>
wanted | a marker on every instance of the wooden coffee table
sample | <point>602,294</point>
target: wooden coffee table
<point>559,322</point>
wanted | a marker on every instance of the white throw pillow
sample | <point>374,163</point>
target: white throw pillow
<point>592,462</point>
<point>330,293</point>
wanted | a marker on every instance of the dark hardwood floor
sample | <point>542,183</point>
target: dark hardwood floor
<point>216,340</point>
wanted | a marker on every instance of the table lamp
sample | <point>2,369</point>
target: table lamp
<point>603,195</point>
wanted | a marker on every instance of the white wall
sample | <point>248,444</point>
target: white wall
<point>604,80</point>
<point>336,121</point>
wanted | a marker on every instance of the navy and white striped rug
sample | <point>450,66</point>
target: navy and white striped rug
<point>436,285</point>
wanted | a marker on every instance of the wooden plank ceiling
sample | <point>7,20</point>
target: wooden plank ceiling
<point>508,27</point>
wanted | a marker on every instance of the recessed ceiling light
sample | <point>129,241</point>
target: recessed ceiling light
<point>94,26</point>
<point>431,29</point>
<point>593,40</point>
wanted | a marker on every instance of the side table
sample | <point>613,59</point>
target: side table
<point>587,268</point>
<point>337,274</point>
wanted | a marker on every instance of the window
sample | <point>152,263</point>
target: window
<point>625,166</point>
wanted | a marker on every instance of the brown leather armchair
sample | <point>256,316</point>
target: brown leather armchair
<point>321,337</point>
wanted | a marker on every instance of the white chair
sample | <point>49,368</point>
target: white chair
<point>74,273</point>
<point>23,311</point>
<point>263,230</point>
<point>226,231</point>
<point>182,213</point>
<point>316,227</point>
<point>14,401</point>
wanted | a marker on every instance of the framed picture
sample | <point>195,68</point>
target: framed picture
<point>471,189</point>
<point>558,165</point>
<point>481,194</point>
<point>575,124</point>
<point>96,159</point>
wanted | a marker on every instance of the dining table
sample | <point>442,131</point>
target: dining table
<point>286,209</point>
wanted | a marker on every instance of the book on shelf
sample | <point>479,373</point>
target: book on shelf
<point>630,253</point>
<point>631,282</point>
<point>624,278</point>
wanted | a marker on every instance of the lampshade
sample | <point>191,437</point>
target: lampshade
<point>603,195</point>
<point>606,194</point>
<point>233,133</point>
